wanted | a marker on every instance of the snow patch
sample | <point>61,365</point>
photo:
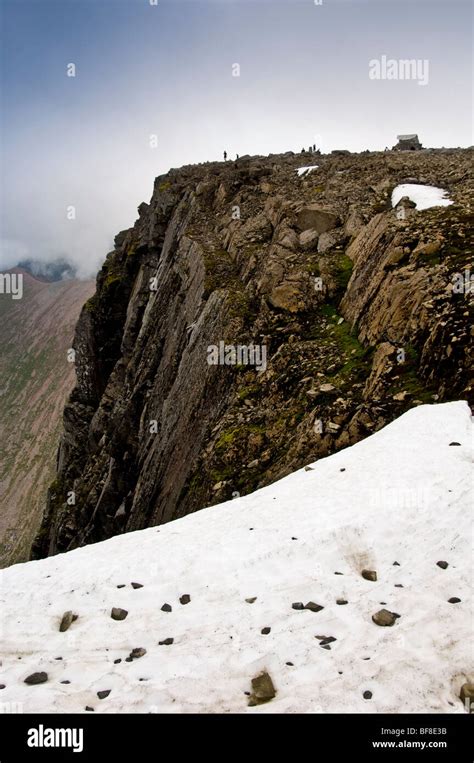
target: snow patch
<point>424,196</point>
<point>306,170</point>
<point>395,503</point>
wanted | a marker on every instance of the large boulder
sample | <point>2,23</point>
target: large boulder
<point>288,296</point>
<point>316,217</point>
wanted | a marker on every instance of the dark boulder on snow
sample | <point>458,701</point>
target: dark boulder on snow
<point>118,614</point>
<point>36,678</point>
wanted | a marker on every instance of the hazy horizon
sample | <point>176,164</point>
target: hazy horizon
<point>168,70</point>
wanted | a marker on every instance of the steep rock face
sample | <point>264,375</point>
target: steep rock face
<point>355,308</point>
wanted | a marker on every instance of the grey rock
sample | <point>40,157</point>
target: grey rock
<point>369,575</point>
<point>265,631</point>
<point>137,585</point>
<point>297,605</point>
<point>118,614</point>
<point>166,608</point>
<point>136,653</point>
<point>263,689</point>
<point>104,694</point>
<point>454,600</point>
<point>313,607</point>
<point>308,240</point>
<point>36,678</point>
<point>384,617</point>
<point>317,218</point>
<point>327,640</point>
<point>443,565</point>
<point>185,598</point>
<point>166,642</point>
<point>66,621</point>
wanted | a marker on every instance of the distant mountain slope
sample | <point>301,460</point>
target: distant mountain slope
<point>35,379</point>
<point>396,504</point>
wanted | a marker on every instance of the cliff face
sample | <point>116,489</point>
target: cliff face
<point>35,381</point>
<point>357,311</point>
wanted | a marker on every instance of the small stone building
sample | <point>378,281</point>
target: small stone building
<point>407,143</point>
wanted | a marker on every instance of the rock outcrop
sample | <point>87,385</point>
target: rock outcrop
<point>359,313</point>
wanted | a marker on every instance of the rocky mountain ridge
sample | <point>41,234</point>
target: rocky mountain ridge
<point>356,303</point>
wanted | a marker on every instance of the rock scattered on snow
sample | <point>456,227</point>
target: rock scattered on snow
<point>297,605</point>
<point>251,600</point>
<point>136,653</point>
<point>263,690</point>
<point>66,621</point>
<point>341,601</point>
<point>166,608</point>
<point>313,607</point>
<point>185,598</point>
<point>265,631</point>
<point>327,640</point>
<point>36,678</point>
<point>166,642</point>
<point>443,565</point>
<point>104,694</point>
<point>384,617</point>
<point>367,695</point>
<point>118,614</point>
<point>369,575</point>
<point>454,600</point>
<point>137,585</point>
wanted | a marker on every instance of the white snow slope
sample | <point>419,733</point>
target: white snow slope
<point>402,495</point>
<point>423,196</point>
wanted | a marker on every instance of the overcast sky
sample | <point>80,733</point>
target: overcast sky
<point>167,70</point>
